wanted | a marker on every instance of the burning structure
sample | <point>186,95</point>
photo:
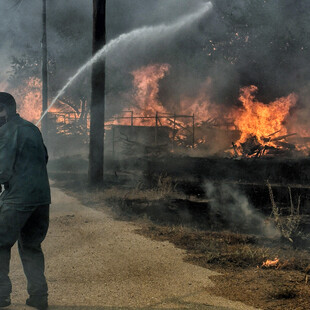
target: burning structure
<point>250,129</point>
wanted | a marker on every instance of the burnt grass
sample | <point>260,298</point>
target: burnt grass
<point>239,259</point>
<point>172,208</point>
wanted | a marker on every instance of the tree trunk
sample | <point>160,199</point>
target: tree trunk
<point>96,146</point>
<point>44,123</point>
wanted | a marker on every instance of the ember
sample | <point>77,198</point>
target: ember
<point>271,263</point>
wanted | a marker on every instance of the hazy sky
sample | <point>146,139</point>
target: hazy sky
<point>70,25</point>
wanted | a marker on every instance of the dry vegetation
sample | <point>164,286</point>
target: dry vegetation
<point>239,259</point>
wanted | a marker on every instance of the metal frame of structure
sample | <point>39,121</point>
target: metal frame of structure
<point>170,117</point>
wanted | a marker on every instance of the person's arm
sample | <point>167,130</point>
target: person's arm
<point>8,150</point>
<point>46,154</point>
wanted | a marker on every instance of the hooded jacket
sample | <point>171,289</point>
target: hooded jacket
<point>23,159</point>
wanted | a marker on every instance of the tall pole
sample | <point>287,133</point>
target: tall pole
<point>96,135</point>
<point>44,125</point>
<point>174,133</point>
<point>156,128</point>
<point>193,131</point>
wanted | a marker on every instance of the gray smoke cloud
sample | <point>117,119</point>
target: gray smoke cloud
<point>234,207</point>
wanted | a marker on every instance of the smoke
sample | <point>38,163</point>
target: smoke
<point>232,206</point>
<point>262,43</point>
<point>125,42</point>
<point>69,28</point>
<point>70,31</point>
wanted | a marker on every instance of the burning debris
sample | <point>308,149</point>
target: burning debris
<point>270,146</point>
<point>262,130</point>
<point>279,264</point>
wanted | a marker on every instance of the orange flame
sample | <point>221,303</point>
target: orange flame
<point>271,263</point>
<point>177,115</point>
<point>147,104</point>
<point>253,119</point>
<point>146,87</point>
<point>259,119</point>
<point>29,99</point>
<point>29,103</point>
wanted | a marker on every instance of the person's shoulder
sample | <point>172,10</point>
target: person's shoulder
<point>18,124</point>
<point>9,127</point>
<point>21,122</point>
<point>26,127</point>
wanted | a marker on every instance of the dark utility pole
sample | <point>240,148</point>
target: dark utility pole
<point>44,72</point>
<point>96,146</point>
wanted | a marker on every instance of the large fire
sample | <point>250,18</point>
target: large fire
<point>258,128</point>
<point>146,104</point>
<point>29,103</point>
<point>262,120</point>
<point>147,110</point>
<point>262,126</point>
<point>146,88</point>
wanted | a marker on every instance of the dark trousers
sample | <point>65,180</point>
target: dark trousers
<point>28,226</point>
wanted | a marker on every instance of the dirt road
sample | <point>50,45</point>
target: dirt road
<point>96,262</point>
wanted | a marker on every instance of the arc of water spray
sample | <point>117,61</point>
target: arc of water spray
<point>154,31</point>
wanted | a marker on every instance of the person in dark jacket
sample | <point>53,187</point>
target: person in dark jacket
<point>24,203</point>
